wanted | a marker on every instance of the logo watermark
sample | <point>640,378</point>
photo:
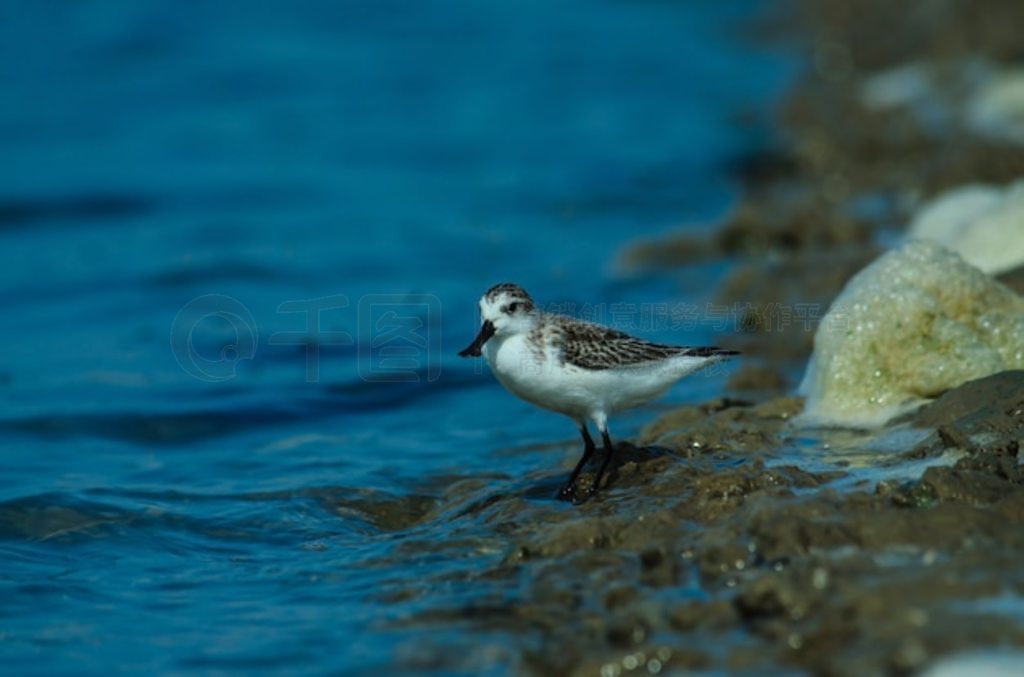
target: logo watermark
<point>399,335</point>
<point>211,334</point>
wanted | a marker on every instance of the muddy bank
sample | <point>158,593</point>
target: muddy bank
<point>729,539</point>
<point>711,549</point>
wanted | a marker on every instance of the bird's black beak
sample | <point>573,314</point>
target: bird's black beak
<point>486,332</point>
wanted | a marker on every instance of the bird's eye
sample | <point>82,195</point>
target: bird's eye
<point>512,307</point>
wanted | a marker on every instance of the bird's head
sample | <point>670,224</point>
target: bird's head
<point>505,309</point>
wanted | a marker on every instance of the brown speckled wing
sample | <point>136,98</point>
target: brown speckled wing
<point>591,346</point>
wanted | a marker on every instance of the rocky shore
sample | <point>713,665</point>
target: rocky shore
<point>735,538</point>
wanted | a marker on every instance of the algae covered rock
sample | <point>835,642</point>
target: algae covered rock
<point>916,322</point>
<point>982,223</point>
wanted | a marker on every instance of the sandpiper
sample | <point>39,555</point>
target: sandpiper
<point>583,370</point>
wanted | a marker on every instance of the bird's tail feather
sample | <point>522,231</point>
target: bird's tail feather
<point>710,351</point>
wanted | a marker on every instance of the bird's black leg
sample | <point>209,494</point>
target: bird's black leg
<point>568,491</point>
<point>609,450</point>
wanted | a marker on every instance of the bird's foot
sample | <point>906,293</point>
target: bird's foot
<point>585,495</point>
<point>575,495</point>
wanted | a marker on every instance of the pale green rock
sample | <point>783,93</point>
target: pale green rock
<point>984,224</point>
<point>916,322</point>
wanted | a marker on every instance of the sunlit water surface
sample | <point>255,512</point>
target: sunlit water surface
<point>192,196</point>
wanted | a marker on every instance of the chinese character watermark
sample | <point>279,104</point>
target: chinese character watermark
<point>404,337</point>
<point>398,338</point>
<point>313,336</point>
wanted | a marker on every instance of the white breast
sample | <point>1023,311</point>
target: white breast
<point>534,376</point>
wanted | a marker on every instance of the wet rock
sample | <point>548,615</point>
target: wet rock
<point>722,424</point>
<point>718,614</point>
<point>773,595</point>
<point>994,403</point>
<point>985,420</point>
<point>620,596</point>
<point>962,484</point>
<point>646,660</point>
<point>721,559</point>
<point>627,632</point>
<point>915,323</point>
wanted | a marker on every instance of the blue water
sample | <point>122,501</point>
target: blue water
<point>241,244</point>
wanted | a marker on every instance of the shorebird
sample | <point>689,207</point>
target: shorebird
<point>583,370</point>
